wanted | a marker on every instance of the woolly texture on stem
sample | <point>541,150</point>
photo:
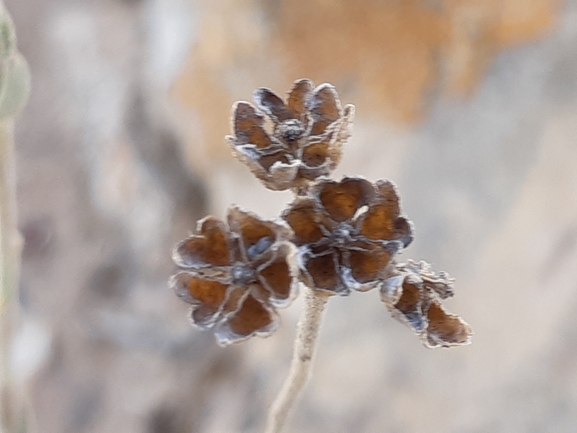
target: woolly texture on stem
<point>305,342</point>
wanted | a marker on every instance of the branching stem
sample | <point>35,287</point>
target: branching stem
<point>304,347</point>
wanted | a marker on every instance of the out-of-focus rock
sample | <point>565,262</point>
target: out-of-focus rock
<point>390,58</point>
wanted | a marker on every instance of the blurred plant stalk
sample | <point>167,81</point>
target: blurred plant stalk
<point>14,90</point>
<point>303,353</point>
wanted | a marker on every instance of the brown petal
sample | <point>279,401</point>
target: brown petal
<point>248,126</point>
<point>323,270</point>
<point>301,217</point>
<point>378,223</point>
<point>325,108</point>
<point>338,133</point>
<point>233,298</point>
<point>279,277</point>
<point>342,199</point>
<point>194,290</point>
<point>252,318</point>
<point>272,105</point>
<point>209,248</point>
<point>273,169</point>
<point>382,221</point>
<point>410,308</point>
<point>446,329</point>
<point>256,235</point>
<point>204,317</point>
<point>439,283</point>
<point>403,231</point>
<point>316,154</point>
<point>388,195</point>
<point>369,265</point>
<point>267,161</point>
<point>379,220</point>
<point>299,95</point>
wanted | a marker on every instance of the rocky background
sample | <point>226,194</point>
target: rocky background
<point>469,106</point>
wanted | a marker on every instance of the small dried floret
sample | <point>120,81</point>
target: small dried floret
<point>413,294</point>
<point>235,275</point>
<point>347,233</point>
<point>305,142</point>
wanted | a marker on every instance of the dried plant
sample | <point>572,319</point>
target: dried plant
<point>335,236</point>
<point>235,276</point>
<point>306,141</point>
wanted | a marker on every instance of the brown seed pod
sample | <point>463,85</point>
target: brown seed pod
<point>347,232</point>
<point>305,142</point>
<point>236,274</point>
<point>413,294</point>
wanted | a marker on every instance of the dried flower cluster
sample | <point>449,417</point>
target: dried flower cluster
<point>347,233</point>
<point>306,139</point>
<point>235,276</point>
<point>335,236</point>
<point>413,295</point>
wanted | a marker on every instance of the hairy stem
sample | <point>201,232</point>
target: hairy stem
<point>304,347</point>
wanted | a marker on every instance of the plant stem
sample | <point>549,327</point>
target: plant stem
<point>304,346</point>
<point>14,90</point>
<point>10,247</point>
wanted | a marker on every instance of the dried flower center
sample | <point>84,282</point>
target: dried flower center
<point>342,234</point>
<point>290,130</point>
<point>242,275</point>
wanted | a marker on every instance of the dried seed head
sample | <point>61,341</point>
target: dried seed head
<point>413,295</point>
<point>335,236</point>
<point>235,275</point>
<point>307,137</point>
<point>344,241</point>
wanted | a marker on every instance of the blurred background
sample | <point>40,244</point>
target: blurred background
<point>469,106</point>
